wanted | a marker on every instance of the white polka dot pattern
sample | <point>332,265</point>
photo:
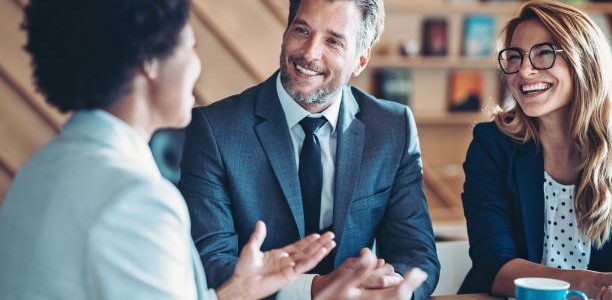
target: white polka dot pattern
<point>564,246</point>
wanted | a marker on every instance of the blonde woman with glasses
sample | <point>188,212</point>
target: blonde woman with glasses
<point>538,188</point>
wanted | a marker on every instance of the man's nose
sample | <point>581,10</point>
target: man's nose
<point>313,49</point>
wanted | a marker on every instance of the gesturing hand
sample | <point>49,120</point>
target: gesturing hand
<point>605,293</point>
<point>346,284</point>
<point>260,274</point>
<point>383,276</point>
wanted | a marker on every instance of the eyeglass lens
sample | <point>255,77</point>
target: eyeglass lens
<point>542,57</point>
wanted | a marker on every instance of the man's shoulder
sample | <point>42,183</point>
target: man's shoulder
<point>380,112</point>
<point>370,102</point>
<point>234,103</point>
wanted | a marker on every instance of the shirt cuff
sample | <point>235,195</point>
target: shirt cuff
<point>300,289</point>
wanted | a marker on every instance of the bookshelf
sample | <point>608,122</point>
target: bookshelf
<point>445,135</point>
<point>432,62</point>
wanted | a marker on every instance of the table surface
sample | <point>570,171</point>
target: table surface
<point>467,297</point>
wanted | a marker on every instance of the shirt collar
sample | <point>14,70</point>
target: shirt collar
<point>294,113</point>
<point>106,129</point>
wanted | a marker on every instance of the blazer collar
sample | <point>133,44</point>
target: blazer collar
<point>350,147</point>
<point>104,129</point>
<point>275,140</point>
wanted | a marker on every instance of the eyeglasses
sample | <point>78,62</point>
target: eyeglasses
<point>541,56</point>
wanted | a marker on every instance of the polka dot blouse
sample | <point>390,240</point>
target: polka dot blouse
<point>564,246</point>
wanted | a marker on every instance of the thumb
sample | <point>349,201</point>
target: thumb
<point>412,280</point>
<point>258,236</point>
<point>360,269</point>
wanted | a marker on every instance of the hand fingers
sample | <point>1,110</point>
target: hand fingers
<point>605,293</point>
<point>306,262</point>
<point>413,279</point>
<point>382,281</point>
<point>310,243</point>
<point>257,237</point>
<point>361,268</point>
<point>385,269</point>
<point>308,247</point>
<point>380,263</point>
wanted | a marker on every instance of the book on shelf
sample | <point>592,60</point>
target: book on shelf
<point>394,84</point>
<point>478,36</point>
<point>465,91</point>
<point>434,36</point>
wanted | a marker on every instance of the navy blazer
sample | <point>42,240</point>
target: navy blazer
<point>503,201</point>
<point>239,166</point>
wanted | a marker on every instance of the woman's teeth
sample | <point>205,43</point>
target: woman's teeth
<point>536,87</point>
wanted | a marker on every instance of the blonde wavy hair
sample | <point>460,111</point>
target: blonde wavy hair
<point>587,52</point>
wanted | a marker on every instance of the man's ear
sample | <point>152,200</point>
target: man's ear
<point>150,68</point>
<point>362,62</point>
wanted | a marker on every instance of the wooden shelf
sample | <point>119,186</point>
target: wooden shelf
<point>433,62</point>
<point>476,8</point>
<point>451,118</point>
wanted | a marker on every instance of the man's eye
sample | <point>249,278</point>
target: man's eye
<point>334,42</point>
<point>300,30</point>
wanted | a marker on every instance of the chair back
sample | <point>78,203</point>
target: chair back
<point>454,264</point>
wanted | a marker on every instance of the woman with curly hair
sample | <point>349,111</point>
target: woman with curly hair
<point>538,189</point>
<point>89,216</point>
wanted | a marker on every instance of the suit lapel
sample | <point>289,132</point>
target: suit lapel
<point>530,168</point>
<point>276,141</point>
<point>350,145</point>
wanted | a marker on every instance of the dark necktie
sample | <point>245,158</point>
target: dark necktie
<point>311,173</point>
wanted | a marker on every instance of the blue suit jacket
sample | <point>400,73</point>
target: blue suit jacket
<point>503,200</point>
<point>238,167</point>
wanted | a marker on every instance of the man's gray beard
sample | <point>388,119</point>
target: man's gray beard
<point>320,96</point>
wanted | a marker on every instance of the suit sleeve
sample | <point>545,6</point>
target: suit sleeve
<point>203,187</point>
<point>405,237</point>
<point>487,211</point>
<point>139,246</point>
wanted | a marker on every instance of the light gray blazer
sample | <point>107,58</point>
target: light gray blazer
<point>90,217</point>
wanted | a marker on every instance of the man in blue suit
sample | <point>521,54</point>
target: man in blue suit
<point>305,152</point>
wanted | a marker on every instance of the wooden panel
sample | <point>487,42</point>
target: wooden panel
<point>16,63</point>
<point>21,127</point>
<point>279,8</point>
<point>259,41</point>
<point>221,74</point>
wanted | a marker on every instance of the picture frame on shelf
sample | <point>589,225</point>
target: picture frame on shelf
<point>434,37</point>
<point>465,91</point>
<point>395,84</point>
<point>478,36</point>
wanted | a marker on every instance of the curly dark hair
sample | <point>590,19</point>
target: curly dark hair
<point>85,52</point>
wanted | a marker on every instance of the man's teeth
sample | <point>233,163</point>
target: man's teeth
<point>534,87</point>
<point>306,71</point>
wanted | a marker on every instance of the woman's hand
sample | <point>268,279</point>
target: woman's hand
<point>605,293</point>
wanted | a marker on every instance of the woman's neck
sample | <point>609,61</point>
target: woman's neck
<point>561,155</point>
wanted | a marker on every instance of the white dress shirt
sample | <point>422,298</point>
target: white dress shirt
<point>90,217</point>
<point>327,135</point>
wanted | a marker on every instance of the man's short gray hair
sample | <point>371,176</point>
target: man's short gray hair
<point>372,19</point>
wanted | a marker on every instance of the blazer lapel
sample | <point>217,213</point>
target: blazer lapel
<point>276,141</point>
<point>350,145</point>
<point>530,168</point>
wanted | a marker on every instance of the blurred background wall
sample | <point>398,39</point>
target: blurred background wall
<point>437,56</point>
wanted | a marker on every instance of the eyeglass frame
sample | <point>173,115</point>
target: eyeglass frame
<point>520,51</point>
